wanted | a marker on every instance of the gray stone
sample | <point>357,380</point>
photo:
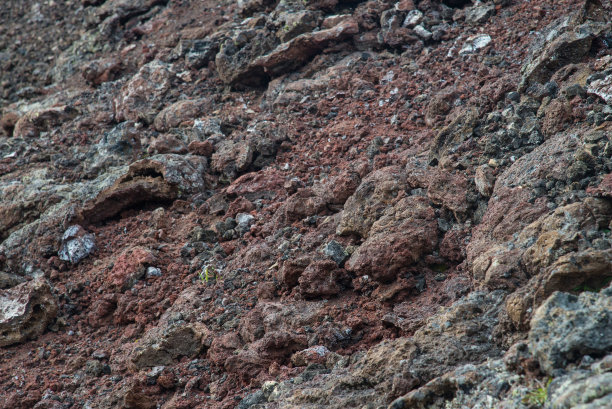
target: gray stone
<point>422,32</point>
<point>336,252</point>
<point>479,13</point>
<point>413,18</point>
<point>76,244</point>
<point>153,272</point>
<point>567,327</point>
<point>581,391</point>
<point>244,222</point>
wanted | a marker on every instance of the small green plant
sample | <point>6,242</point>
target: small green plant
<point>208,273</point>
<point>539,395</point>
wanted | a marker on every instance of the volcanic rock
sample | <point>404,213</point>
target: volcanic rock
<point>25,311</point>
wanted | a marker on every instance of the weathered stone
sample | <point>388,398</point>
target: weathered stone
<point>34,122</point>
<point>161,179</point>
<point>164,345</point>
<point>140,98</point>
<point>25,311</point>
<point>178,113</point>
<point>563,43</point>
<point>76,244</point>
<point>320,279</point>
<point>379,190</point>
<point>566,327</point>
<point>402,235</point>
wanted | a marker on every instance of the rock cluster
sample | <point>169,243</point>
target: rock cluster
<point>318,204</point>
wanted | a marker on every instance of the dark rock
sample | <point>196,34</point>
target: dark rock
<point>336,252</point>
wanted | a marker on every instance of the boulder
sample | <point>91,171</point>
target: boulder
<point>567,327</point>
<point>140,99</point>
<point>165,344</point>
<point>401,237</point>
<point>377,191</point>
<point>25,311</point>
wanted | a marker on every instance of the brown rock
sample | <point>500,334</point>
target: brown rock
<point>178,113</point>
<point>377,191</point>
<point>320,279</point>
<point>33,123</point>
<point>404,233</point>
<point>200,148</point>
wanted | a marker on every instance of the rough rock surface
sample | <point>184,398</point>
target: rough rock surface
<point>315,204</point>
<point>25,311</point>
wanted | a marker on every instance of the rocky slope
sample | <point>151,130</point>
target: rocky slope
<point>306,204</point>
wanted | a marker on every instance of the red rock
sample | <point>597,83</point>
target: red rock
<point>240,205</point>
<point>130,267</point>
